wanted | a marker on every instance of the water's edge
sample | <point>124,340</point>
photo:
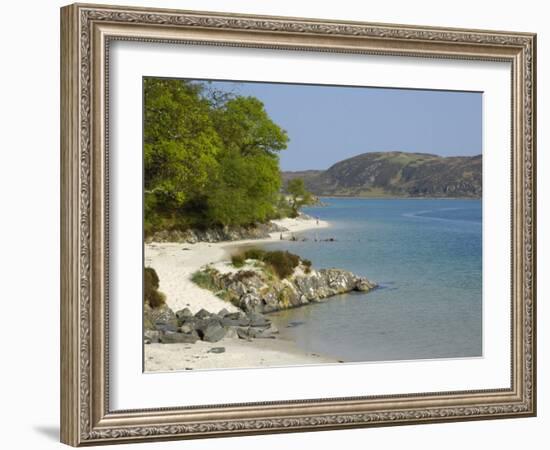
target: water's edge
<point>426,257</point>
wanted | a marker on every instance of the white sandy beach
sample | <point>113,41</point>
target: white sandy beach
<point>237,353</point>
<point>175,263</point>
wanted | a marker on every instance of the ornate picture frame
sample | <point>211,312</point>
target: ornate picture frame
<point>86,34</point>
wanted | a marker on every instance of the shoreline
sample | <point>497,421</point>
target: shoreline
<point>175,263</point>
<point>237,354</point>
<point>397,198</point>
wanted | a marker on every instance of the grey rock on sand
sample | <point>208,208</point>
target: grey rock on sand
<point>211,330</point>
<point>170,337</point>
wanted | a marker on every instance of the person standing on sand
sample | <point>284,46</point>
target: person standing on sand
<point>317,220</point>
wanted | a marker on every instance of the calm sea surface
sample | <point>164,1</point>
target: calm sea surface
<point>426,256</point>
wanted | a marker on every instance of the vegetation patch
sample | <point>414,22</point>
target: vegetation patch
<point>238,260</point>
<point>307,265</point>
<point>210,157</point>
<point>255,253</point>
<point>205,279</point>
<point>282,263</point>
<point>152,296</point>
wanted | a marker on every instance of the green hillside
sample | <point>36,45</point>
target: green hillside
<point>397,174</point>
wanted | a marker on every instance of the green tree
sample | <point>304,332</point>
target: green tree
<point>245,190</point>
<point>244,125</point>
<point>210,158</point>
<point>248,182</point>
<point>299,195</point>
<point>180,146</point>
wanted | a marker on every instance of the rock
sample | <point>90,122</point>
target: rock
<point>223,312</point>
<point>255,333</point>
<point>211,330</point>
<point>202,314</point>
<point>364,285</point>
<point>252,302</point>
<point>216,350</point>
<point>217,234</point>
<point>163,326</point>
<point>183,314</point>
<point>236,315</point>
<point>187,328</point>
<point>244,333</point>
<point>151,336</point>
<point>257,320</point>
<point>262,334</point>
<point>170,337</point>
<point>241,322</point>
<point>258,292</point>
<point>161,318</point>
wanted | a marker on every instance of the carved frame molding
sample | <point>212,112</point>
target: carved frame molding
<point>86,31</point>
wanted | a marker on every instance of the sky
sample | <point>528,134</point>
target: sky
<point>327,124</point>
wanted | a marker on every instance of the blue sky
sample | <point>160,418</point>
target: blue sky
<point>327,124</point>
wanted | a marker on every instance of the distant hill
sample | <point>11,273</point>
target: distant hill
<point>396,174</point>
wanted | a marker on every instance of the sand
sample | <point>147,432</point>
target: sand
<point>237,353</point>
<point>174,264</point>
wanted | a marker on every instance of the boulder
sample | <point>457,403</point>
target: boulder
<point>151,336</point>
<point>183,314</point>
<point>210,330</point>
<point>244,333</point>
<point>223,312</point>
<point>214,333</point>
<point>203,314</point>
<point>364,285</point>
<point>216,350</point>
<point>187,327</point>
<point>235,315</point>
<point>237,322</point>
<point>164,326</point>
<point>257,320</point>
<point>255,333</point>
<point>161,318</point>
<point>170,337</point>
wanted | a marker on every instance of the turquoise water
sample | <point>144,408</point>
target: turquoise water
<point>426,256</point>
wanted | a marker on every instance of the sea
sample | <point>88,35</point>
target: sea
<point>426,257</point>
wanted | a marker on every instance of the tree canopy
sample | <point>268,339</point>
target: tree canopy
<point>210,158</point>
<point>299,196</point>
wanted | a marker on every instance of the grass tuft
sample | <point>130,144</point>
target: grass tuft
<point>204,279</point>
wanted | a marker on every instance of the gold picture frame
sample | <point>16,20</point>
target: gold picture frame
<point>86,33</point>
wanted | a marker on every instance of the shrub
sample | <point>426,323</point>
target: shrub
<point>237,260</point>
<point>307,265</point>
<point>255,253</point>
<point>151,295</point>
<point>204,279</point>
<point>283,263</point>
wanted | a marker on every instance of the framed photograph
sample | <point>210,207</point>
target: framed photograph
<point>275,224</point>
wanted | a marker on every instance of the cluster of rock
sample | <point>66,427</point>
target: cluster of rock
<point>218,234</point>
<point>162,325</point>
<point>256,291</point>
